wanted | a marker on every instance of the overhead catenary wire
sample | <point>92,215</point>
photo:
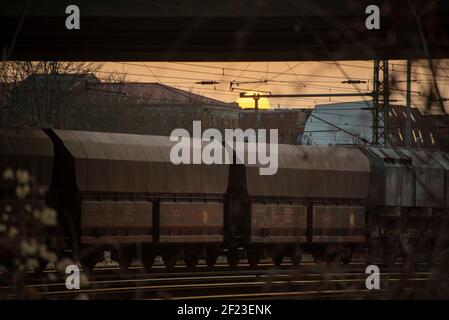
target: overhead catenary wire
<point>279,79</point>
<point>258,80</point>
<point>341,129</point>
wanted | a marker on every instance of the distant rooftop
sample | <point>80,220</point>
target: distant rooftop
<point>156,93</point>
<point>140,92</point>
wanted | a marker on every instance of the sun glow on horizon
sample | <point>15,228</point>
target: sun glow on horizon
<point>249,103</point>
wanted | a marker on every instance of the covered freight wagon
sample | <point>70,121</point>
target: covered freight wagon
<point>315,200</point>
<point>124,193</point>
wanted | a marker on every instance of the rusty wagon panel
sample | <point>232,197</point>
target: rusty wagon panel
<point>106,162</point>
<point>26,149</point>
<point>429,178</point>
<point>313,173</point>
<point>106,222</point>
<point>116,159</point>
<point>136,169</point>
<point>113,162</point>
<point>136,166</point>
<point>443,160</point>
<point>190,222</point>
<point>338,224</point>
<point>278,223</point>
<point>154,151</point>
<point>392,181</point>
<point>91,167</point>
<point>310,174</point>
<point>199,179</point>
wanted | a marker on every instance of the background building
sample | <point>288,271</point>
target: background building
<point>339,123</point>
<point>289,122</point>
<point>81,101</point>
<point>352,123</point>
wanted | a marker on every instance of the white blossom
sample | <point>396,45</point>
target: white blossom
<point>29,248</point>
<point>22,176</point>
<point>42,190</point>
<point>82,296</point>
<point>8,174</point>
<point>13,232</point>
<point>36,214</point>
<point>32,264</point>
<point>84,281</point>
<point>47,255</point>
<point>52,277</point>
<point>49,217</point>
<point>63,263</point>
<point>22,191</point>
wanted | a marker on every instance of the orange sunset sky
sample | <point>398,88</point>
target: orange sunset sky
<point>283,77</point>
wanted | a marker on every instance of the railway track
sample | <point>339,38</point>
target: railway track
<point>309,281</point>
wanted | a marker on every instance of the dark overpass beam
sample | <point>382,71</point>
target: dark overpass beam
<point>223,30</point>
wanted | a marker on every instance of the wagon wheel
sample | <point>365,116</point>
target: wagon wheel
<point>169,261</point>
<point>318,258</point>
<point>372,253</point>
<point>88,263</point>
<point>329,258</point>
<point>345,256</point>
<point>191,259</point>
<point>253,258</point>
<point>233,258</point>
<point>296,257</point>
<point>89,257</point>
<point>389,257</point>
<point>125,259</point>
<point>42,265</point>
<point>390,253</point>
<point>211,257</point>
<point>148,260</point>
<point>277,259</point>
<point>429,254</point>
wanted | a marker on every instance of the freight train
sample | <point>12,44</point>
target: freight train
<point>120,192</point>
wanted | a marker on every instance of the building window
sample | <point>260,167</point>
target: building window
<point>414,136</point>
<point>432,138</point>
<point>420,136</point>
<point>400,135</point>
<point>394,111</point>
